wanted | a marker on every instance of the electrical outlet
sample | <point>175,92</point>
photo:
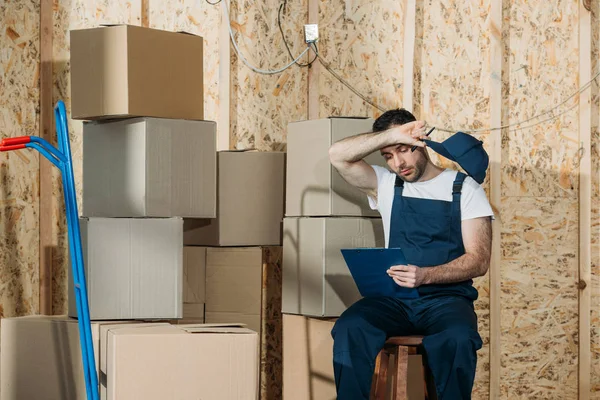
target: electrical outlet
<point>311,33</point>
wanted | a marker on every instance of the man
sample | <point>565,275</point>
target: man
<point>442,221</point>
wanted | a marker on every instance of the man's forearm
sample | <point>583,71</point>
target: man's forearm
<point>355,148</point>
<point>465,267</point>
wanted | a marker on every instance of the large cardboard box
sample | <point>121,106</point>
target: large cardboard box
<point>149,167</point>
<point>316,280</point>
<point>308,361</point>
<point>249,202</point>
<point>133,268</point>
<point>243,285</point>
<point>41,359</point>
<point>313,186</point>
<point>127,71</point>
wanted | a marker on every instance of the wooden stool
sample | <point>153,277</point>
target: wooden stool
<point>399,347</point>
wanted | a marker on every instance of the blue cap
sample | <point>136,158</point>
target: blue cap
<point>465,150</point>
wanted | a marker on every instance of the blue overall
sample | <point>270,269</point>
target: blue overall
<point>429,233</point>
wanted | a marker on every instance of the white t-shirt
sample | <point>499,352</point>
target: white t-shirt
<point>473,201</point>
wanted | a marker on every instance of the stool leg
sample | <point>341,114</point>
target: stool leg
<point>400,383</point>
<point>380,376</point>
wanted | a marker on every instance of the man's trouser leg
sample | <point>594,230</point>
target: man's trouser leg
<point>451,341</point>
<point>359,334</point>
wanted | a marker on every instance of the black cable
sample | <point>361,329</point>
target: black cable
<point>213,4</point>
<point>282,6</point>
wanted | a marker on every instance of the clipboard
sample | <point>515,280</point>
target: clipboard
<point>368,267</point>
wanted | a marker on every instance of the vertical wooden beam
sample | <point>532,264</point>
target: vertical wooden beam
<point>223,124</point>
<point>146,13</point>
<point>410,14</point>
<point>585,205</point>
<point>314,71</point>
<point>496,50</point>
<point>46,129</point>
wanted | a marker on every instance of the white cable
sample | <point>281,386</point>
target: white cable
<point>239,53</point>
<point>343,81</point>
<point>515,125</point>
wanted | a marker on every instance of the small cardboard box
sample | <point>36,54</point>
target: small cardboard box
<point>308,358</point>
<point>249,202</point>
<point>149,167</point>
<point>243,285</point>
<point>316,279</point>
<point>313,187</point>
<point>182,362</point>
<point>129,71</point>
<point>133,268</point>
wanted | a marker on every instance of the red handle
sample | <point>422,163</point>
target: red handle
<point>15,140</point>
<point>12,147</point>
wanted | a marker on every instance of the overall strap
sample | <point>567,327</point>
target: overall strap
<point>456,191</point>
<point>398,186</point>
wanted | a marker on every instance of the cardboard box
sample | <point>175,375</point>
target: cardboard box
<point>243,285</point>
<point>148,167</point>
<point>128,71</point>
<point>308,358</point>
<point>313,186</point>
<point>41,359</point>
<point>194,274</point>
<point>249,202</point>
<point>182,362</point>
<point>133,268</point>
<point>316,280</point>
<point>308,361</point>
<point>193,312</point>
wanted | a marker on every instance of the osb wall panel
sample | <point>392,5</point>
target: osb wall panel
<point>542,51</point>
<point>198,18</point>
<point>68,15</point>
<point>19,188</point>
<point>539,298</point>
<point>595,223</point>
<point>363,42</point>
<point>262,105</point>
<point>454,66</point>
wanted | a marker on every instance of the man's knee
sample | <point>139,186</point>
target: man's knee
<point>463,338</point>
<point>351,321</point>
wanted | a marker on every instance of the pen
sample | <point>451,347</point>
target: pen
<point>415,147</point>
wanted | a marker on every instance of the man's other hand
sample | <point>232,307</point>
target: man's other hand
<point>409,276</point>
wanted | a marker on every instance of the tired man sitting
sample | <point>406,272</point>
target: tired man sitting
<point>441,219</point>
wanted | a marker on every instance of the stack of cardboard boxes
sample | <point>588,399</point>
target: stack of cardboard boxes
<point>240,254</point>
<point>151,172</point>
<point>323,214</point>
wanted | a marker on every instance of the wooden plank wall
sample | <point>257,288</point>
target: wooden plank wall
<point>262,105</point>
<point>19,187</point>
<point>595,208</point>
<point>540,205</point>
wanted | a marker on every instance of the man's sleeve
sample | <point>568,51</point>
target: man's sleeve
<point>381,173</point>
<point>474,202</point>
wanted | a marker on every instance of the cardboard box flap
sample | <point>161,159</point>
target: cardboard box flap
<point>128,25</point>
<point>116,326</point>
<point>243,151</point>
<point>215,329</point>
<point>349,117</point>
